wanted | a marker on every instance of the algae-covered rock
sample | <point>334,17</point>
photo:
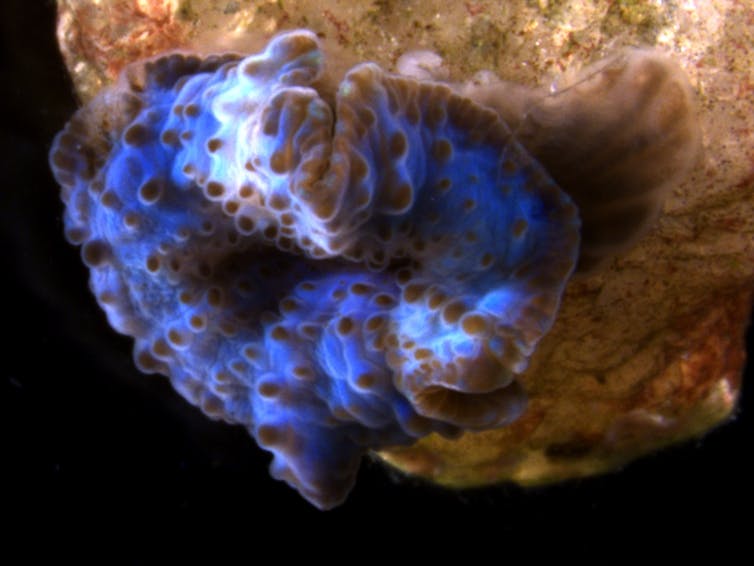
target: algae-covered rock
<point>648,349</point>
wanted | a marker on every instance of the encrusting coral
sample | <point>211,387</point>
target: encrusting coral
<point>339,278</point>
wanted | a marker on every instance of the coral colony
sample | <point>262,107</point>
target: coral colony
<point>345,272</point>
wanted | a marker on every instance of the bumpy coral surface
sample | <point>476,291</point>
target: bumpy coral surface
<point>334,279</point>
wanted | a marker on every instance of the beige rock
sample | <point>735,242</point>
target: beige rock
<point>646,351</point>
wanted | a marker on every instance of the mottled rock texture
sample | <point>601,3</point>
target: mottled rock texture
<point>647,350</point>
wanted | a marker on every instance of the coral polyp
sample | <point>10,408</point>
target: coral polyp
<point>336,273</point>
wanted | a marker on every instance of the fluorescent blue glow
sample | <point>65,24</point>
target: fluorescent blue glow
<point>329,291</point>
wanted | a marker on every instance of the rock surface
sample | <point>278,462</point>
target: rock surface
<point>645,352</point>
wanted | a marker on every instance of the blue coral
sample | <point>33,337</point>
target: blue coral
<point>333,284</point>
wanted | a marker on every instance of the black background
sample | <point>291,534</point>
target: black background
<point>88,438</point>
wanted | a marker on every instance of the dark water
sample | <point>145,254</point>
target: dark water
<point>85,433</point>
